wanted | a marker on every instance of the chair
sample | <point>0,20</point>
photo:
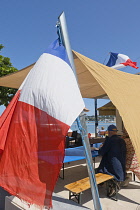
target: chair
<point>78,138</point>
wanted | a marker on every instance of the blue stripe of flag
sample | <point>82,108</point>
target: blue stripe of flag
<point>112,59</point>
<point>59,51</point>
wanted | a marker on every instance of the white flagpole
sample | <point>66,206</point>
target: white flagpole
<point>81,120</point>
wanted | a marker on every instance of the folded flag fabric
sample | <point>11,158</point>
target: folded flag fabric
<point>34,126</point>
<point>118,61</point>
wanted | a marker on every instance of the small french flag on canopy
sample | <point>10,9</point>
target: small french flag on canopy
<point>117,61</point>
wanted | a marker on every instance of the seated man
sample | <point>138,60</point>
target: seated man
<point>113,154</point>
<point>102,132</point>
<point>69,133</point>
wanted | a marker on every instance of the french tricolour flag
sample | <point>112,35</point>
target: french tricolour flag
<point>34,126</point>
<point>118,61</point>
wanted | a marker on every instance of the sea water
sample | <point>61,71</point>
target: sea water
<point>91,126</point>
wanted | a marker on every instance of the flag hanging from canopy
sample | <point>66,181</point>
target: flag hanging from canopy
<point>35,125</point>
<point>118,61</point>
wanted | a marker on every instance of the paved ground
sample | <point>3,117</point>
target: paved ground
<point>128,197</point>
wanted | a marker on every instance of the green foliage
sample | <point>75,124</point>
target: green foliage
<point>6,94</point>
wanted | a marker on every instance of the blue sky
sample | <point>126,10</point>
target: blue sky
<point>95,28</point>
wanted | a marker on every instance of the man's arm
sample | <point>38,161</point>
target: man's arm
<point>106,146</point>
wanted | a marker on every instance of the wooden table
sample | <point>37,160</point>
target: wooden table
<point>94,140</point>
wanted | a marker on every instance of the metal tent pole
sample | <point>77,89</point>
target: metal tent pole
<point>96,117</point>
<point>81,119</point>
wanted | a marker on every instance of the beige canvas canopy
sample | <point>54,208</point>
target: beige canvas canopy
<point>123,89</point>
<point>97,80</point>
<point>88,84</point>
<point>107,109</point>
